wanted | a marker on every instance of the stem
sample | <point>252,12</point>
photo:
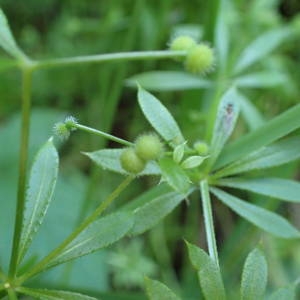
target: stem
<point>23,157</point>
<point>208,221</point>
<point>98,58</point>
<point>11,294</point>
<point>103,134</point>
<point>99,210</point>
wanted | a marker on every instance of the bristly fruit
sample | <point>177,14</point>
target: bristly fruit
<point>148,147</point>
<point>199,59</point>
<point>182,43</point>
<point>201,147</point>
<point>131,162</point>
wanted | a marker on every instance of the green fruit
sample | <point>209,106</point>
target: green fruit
<point>148,147</point>
<point>182,43</point>
<point>130,162</point>
<point>201,147</point>
<point>199,59</point>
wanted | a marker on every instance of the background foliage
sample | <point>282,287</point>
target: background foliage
<point>103,97</point>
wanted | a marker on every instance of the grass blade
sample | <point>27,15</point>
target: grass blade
<point>258,216</point>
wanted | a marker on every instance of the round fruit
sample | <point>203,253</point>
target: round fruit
<point>130,162</point>
<point>148,147</point>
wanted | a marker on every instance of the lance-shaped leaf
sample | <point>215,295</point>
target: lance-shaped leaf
<point>261,47</point>
<point>264,135</point>
<point>167,81</point>
<point>227,115</point>
<point>159,117</point>
<point>283,189</point>
<point>157,290</point>
<point>261,80</point>
<point>254,277</point>
<point>274,155</point>
<point>39,193</point>
<point>7,41</point>
<point>222,35</point>
<point>155,208</point>
<point>110,159</point>
<point>52,294</point>
<point>258,216</point>
<point>174,175</point>
<point>99,234</point>
<point>208,273</point>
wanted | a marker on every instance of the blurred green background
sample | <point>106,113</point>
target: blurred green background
<point>98,96</point>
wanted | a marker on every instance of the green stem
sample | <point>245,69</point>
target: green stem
<point>42,265</point>
<point>23,157</point>
<point>103,134</point>
<point>140,55</point>
<point>208,222</point>
<point>11,294</point>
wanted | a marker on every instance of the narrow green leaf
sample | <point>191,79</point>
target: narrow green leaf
<point>159,117</point>
<point>261,80</point>
<point>110,159</point>
<point>227,115</point>
<point>208,272</point>
<point>258,216</point>
<point>222,35</point>
<point>250,113</point>
<point>283,189</point>
<point>39,193</point>
<point>264,135</point>
<point>274,155</point>
<point>158,81</point>
<point>7,41</point>
<point>286,293</point>
<point>193,161</point>
<point>174,175</point>
<point>52,294</point>
<point>158,291</point>
<point>261,47</point>
<point>154,210</point>
<point>254,277</point>
<point>99,234</point>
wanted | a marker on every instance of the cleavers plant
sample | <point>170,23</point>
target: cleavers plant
<point>184,167</point>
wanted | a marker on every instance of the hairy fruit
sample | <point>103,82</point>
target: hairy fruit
<point>131,162</point>
<point>148,147</point>
<point>199,59</point>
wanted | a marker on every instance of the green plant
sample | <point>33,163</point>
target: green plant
<point>184,167</point>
